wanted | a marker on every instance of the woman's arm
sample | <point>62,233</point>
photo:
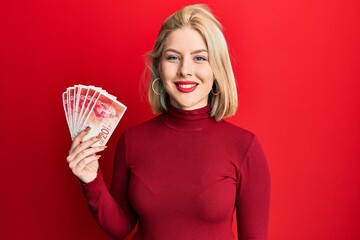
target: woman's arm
<point>253,199</point>
<point>111,210</point>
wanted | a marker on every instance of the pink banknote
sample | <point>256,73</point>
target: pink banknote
<point>70,104</point>
<point>66,110</point>
<point>94,107</point>
<point>103,118</point>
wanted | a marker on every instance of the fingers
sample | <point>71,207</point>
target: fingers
<point>85,164</point>
<point>82,158</point>
<point>78,139</point>
<point>78,170</point>
<point>74,158</point>
<point>78,145</point>
<point>87,144</point>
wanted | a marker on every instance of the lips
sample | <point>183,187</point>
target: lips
<point>186,86</point>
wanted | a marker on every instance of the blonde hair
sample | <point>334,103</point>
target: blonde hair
<point>200,18</point>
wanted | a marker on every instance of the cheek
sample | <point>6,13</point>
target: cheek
<point>164,71</point>
<point>207,74</point>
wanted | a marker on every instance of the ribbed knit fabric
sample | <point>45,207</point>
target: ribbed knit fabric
<point>181,175</point>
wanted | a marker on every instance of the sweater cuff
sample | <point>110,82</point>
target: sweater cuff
<point>93,188</point>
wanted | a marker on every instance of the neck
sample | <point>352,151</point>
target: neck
<point>188,120</point>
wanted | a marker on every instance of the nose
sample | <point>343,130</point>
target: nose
<point>185,68</point>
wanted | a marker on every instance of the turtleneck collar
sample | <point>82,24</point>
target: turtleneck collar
<point>188,120</point>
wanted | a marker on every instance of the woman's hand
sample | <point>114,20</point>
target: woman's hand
<point>82,158</point>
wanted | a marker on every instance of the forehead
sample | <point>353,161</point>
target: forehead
<point>185,39</point>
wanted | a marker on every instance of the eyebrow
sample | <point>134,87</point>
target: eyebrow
<point>193,52</point>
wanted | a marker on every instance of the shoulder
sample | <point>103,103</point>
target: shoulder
<point>248,142</point>
<point>228,137</point>
<point>236,132</point>
<point>248,146</point>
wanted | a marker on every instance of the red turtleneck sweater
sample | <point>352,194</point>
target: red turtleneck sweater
<point>181,175</point>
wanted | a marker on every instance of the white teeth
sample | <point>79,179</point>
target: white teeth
<point>187,85</point>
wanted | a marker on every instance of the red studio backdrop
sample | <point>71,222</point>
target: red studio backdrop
<point>298,75</point>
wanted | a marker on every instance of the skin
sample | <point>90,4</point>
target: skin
<point>185,60</point>
<point>82,158</point>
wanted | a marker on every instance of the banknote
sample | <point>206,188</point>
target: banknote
<point>66,110</point>
<point>95,94</point>
<point>80,103</point>
<point>70,105</point>
<point>94,107</point>
<point>104,117</point>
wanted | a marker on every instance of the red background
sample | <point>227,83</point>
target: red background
<point>297,67</point>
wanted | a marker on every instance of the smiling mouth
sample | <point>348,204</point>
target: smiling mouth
<point>186,87</point>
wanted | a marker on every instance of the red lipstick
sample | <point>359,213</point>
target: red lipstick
<point>186,86</point>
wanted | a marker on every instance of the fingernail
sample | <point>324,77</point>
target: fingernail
<point>98,156</point>
<point>99,136</point>
<point>87,129</point>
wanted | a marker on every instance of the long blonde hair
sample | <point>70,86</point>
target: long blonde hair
<point>200,18</point>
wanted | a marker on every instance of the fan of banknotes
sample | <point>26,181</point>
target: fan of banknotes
<point>94,107</point>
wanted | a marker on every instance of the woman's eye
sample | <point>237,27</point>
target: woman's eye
<point>199,59</point>
<point>172,58</point>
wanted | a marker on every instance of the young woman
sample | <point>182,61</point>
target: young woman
<point>182,174</point>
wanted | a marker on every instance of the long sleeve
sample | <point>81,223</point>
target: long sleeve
<point>253,199</point>
<point>183,182</point>
<point>111,208</point>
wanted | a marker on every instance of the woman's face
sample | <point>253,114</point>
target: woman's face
<point>185,70</point>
